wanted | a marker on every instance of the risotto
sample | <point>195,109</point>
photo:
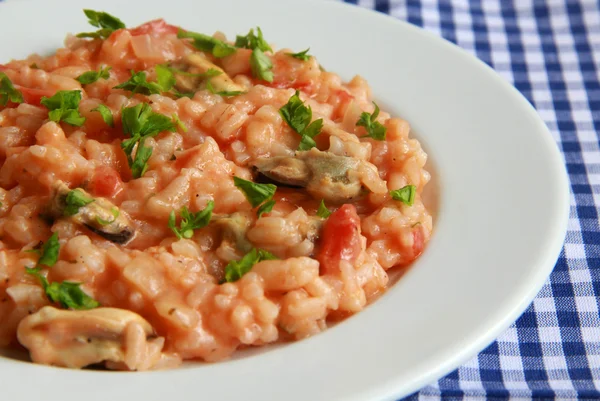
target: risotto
<point>168,195</point>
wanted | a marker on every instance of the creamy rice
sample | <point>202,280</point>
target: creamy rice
<point>163,299</point>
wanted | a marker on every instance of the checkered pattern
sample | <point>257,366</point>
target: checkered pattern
<point>549,50</point>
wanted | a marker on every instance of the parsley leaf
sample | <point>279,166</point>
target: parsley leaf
<point>106,114</point>
<point>115,212</point>
<point>49,251</point>
<point>298,117</point>
<point>255,193</point>
<point>374,128</point>
<point>140,161</point>
<point>165,77</point>
<point>8,91</point>
<point>206,43</point>
<point>179,123</point>
<point>237,268</point>
<point>303,55</point>
<point>323,212</point>
<point>92,76</point>
<point>138,84</point>
<point>252,41</point>
<point>261,65</point>
<point>74,200</point>
<point>67,294</point>
<point>211,89</point>
<point>191,221</point>
<point>106,22</point>
<point>405,194</point>
<point>265,208</point>
<point>64,106</point>
<point>140,122</point>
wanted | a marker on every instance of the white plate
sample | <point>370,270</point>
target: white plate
<point>501,220</point>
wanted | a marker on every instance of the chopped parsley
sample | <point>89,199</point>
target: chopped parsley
<point>64,106</point>
<point>253,41</point>
<point>106,114</point>
<point>115,212</point>
<point>208,44</point>
<point>190,221</point>
<point>68,294</point>
<point>257,194</point>
<point>140,122</point>
<point>261,65</point>
<point>139,84</point>
<point>265,208</point>
<point>74,200</point>
<point>303,55</point>
<point>298,117</point>
<point>405,194</point>
<point>106,22</point>
<point>165,77</point>
<point>92,76</point>
<point>323,212</point>
<point>237,268</point>
<point>211,89</point>
<point>8,91</point>
<point>179,123</point>
<point>49,251</point>
<point>374,128</point>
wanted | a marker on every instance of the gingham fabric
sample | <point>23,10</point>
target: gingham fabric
<point>549,50</point>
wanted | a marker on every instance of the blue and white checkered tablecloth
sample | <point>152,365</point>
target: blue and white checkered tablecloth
<point>549,50</point>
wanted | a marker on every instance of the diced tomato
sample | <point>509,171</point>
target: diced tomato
<point>34,96</point>
<point>158,26</point>
<point>106,182</point>
<point>340,239</point>
<point>418,241</point>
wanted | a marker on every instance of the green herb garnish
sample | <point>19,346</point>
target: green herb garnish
<point>139,84</point>
<point>115,212</point>
<point>323,212</point>
<point>140,122</point>
<point>92,76</point>
<point>257,194</point>
<point>237,268</point>
<point>303,55</point>
<point>67,294</point>
<point>374,128</point>
<point>261,65</point>
<point>8,91</point>
<point>190,221</point>
<point>298,117</point>
<point>74,200</point>
<point>106,114</point>
<point>405,194</point>
<point>253,41</point>
<point>106,22</point>
<point>206,43</point>
<point>265,208</point>
<point>64,106</point>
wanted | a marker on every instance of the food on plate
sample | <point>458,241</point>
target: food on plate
<point>166,195</point>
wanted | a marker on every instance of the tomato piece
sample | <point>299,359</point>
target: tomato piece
<point>34,96</point>
<point>157,26</point>
<point>418,241</point>
<point>106,182</point>
<point>340,239</point>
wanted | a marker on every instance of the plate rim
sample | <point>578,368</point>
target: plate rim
<point>560,226</point>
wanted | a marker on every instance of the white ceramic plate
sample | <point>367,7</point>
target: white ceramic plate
<point>501,219</point>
